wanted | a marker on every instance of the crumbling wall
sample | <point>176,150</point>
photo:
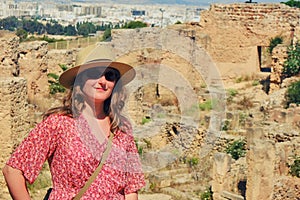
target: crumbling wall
<point>271,150</point>
<point>14,122</point>
<point>235,31</point>
<point>35,62</point>
<point>272,145</point>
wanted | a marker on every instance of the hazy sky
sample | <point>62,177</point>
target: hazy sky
<point>242,1</point>
<point>193,1</point>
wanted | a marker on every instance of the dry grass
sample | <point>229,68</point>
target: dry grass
<point>71,44</point>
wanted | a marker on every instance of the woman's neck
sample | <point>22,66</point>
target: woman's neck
<point>95,110</point>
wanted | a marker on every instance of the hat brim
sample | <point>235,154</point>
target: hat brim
<point>68,77</point>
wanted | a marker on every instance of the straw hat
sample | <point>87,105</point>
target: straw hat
<point>97,55</point>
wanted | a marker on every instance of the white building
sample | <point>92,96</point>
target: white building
<point>71,13</point>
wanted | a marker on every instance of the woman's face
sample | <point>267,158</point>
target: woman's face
<point>99,83</point>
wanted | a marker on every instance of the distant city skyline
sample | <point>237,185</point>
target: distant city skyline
<point>188,2</point>
<point>242,1</point>
<point>169,2</point>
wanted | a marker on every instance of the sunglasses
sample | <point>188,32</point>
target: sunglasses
<point>110,74</point>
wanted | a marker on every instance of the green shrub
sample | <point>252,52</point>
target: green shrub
<point>292,94</point>
<point>239,80</point>
<point>206,105</point>
<point>207,194</point>
<point>274,42</point>
<point>225,125</point>
<point>291,66</point>
<point>231,93</point>
<point>255,82</point>
<point>22,34</point>
<point>145,120</point>
<point>242,118</point>
<point>295,168</point>
<point>237,149</point>
<point>139,148</point>
<point>193,161</point>
<point>107,35</point>
<point>153,186</point>
<point>55,86</point>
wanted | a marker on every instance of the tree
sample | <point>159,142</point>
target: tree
<point>10,23</point>
<point>55,29</point>
<point>70,30</point>
<point>86,28</point>
<point>22,34</point>
<point>292,3</point>
<point>33,26</point>
<point>107,35</point>
<point>135,24</point>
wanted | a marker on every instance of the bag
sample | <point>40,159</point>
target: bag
<point>47,194</point>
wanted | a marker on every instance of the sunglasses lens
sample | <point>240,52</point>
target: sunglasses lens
<point>110,76</point>
<point>92,74</point>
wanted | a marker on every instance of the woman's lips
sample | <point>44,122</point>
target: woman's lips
<point>101,89</point>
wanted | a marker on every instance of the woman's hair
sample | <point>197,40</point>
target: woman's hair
<point>73,104</point>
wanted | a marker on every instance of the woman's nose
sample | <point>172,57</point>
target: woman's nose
<point>101,79</point>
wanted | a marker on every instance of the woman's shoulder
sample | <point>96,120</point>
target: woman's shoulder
<point>57,116</point>
<point>57,119</point>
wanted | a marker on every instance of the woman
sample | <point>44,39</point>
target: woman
<point>73,137</point>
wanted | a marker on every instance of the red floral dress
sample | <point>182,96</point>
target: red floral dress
<point>73,154</point>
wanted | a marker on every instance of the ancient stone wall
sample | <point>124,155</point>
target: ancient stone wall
<point>229,177</point>
<point>9,54</point>
<point>272,145</point>
<point>258,13</point>
<point>23,80</point>
<point>271,150</point>
<point>235,32</point>
<point>167,57</point>
<point>35,62</point>
<point>229,33</point>
<point>14,121</point>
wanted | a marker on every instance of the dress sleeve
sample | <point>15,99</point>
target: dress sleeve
<point>36,148</point>
<point>134,173</point>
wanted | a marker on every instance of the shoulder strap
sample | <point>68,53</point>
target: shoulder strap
<point>98,169</point>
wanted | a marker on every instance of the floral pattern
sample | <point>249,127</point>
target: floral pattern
<point>73,154</point>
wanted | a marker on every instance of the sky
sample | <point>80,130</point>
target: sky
<point>191,1</point>
<point>242,1</point>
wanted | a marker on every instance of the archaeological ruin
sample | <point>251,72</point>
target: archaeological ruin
<point>183,146</point>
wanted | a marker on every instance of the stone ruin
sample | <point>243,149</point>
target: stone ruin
<point>272,134</point>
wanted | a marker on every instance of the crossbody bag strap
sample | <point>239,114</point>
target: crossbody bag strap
<point>98,169</point>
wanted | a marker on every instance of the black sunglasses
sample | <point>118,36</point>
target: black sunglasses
<point>110,74</point>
